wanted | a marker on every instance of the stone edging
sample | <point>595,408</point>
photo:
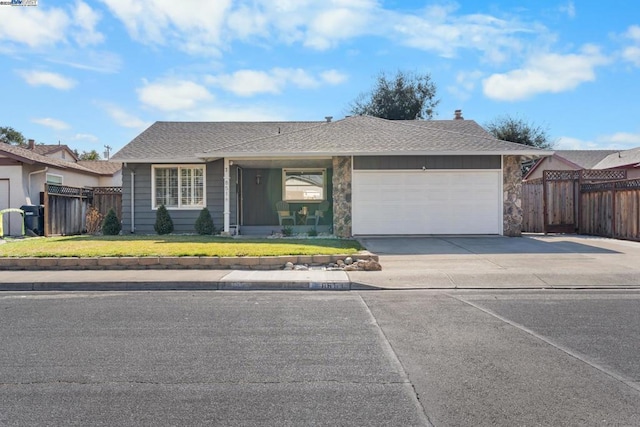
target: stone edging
<point>174,263</point>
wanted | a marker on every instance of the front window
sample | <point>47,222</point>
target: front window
<point>304,185</point>
<point>54,179</point>
<point>179,186</point>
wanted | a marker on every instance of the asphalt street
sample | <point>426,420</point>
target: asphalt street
<point>393,358</point>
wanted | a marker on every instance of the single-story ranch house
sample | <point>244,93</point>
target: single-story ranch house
<point>357,176</point>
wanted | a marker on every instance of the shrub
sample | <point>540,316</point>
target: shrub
<point>312,233</point>
<point>94,220</point>
<point>204,223</point>
<point>164,224</point>
<point>111,225</point>
<point>287,231</point>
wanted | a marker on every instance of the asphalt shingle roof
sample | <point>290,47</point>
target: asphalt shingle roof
<point>30,156</point>
<point>620,158</point>
<point>585,159</point>
<point>103,167</point>
<point>173,141</point>
<point>176,141</point>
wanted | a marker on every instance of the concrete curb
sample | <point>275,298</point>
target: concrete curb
<point>183,286</point>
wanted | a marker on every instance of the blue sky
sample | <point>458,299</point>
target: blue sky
<point>93,73</point>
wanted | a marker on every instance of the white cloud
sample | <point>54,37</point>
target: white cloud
<point>39,27</point>
<point>91,60</point>
<point>569,9</point>
<point>86,20</point>
<point>85,137</point>
<point>545,73</point>
<point>438,29</point>
<point>632,53</point>
<point>274,81</point>
<point>33,26</point>
<point>569,143</point>
<point>192,25</point>
<point>51,123</point>
<point>231,113</point>
<point>615,141</point>
<point>123,118</point>
<point>248,82</point>
<point>199,27</point>
<point>624,139</point>
<point>45,78</point>
<point>333,77</point>
<point>171,95</point>
<point>466,82</point>
<point>333,25</point>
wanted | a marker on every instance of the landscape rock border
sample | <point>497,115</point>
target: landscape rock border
<point>179,263</point>
<point>346,264</point>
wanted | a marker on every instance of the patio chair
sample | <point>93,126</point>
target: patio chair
<point>284,212</point>
<point>319,213</point>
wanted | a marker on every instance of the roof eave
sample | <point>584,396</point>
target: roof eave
<point>306,154</point>
<point>158,160</point>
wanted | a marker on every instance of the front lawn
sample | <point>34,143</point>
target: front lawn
<point>171,245</point>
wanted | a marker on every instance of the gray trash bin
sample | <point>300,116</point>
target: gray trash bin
<point>34,218</point>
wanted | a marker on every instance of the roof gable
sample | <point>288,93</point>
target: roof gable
<point>50,149</point>
<point>27,156</point>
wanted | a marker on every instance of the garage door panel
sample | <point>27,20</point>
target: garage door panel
<point>417,202</point>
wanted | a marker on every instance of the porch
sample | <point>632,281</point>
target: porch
<point>270,195</point>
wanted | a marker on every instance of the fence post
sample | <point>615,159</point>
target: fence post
<point>544,202</point>
<point>47,226</point>
<point>613,210</point>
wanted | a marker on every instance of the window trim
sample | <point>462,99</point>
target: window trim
<point>46,178</point>
<point>324,184</point>
<point>179,167</point>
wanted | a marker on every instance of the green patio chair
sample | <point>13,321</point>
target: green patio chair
<point>319,213</point>
<point>284,212</point>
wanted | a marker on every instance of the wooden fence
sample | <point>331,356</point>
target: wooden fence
<point>593,202</point>
<point>611,209</point>
<point>65,208</point>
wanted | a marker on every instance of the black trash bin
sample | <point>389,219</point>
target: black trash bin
<point>34,218</point>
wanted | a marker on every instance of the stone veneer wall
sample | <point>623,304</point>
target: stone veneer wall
<point>512,199</point>
<point>342,196</point>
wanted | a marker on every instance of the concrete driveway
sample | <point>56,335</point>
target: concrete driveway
<point>531,261</point>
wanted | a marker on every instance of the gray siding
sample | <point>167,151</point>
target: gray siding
<point>430,162</point>
<point>183,220</point>
<point>259,200</point>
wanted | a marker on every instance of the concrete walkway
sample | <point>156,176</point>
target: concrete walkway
<point>456,262</point>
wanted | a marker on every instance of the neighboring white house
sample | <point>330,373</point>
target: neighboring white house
<point>23,173</point>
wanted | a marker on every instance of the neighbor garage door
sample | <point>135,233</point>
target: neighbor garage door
<point>427,202</point>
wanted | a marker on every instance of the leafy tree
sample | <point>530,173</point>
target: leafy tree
<point>9,135</point>
<point>111,225</point>
<point>405,96</point>
<point>204,223</point>
<point>515,129</point>
<point>164,223</point>
<point>88,155</point>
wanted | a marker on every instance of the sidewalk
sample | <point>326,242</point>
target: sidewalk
<point>483,262</point>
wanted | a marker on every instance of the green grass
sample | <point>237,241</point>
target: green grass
<point>171,245</point>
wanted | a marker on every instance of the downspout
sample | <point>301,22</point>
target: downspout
<point>29,182</point>
<point>227,201</point>
<point>133,211</point>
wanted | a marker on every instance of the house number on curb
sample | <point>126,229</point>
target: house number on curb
<point>328,285</point>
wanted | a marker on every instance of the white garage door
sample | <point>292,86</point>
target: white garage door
<point>427,202</point>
